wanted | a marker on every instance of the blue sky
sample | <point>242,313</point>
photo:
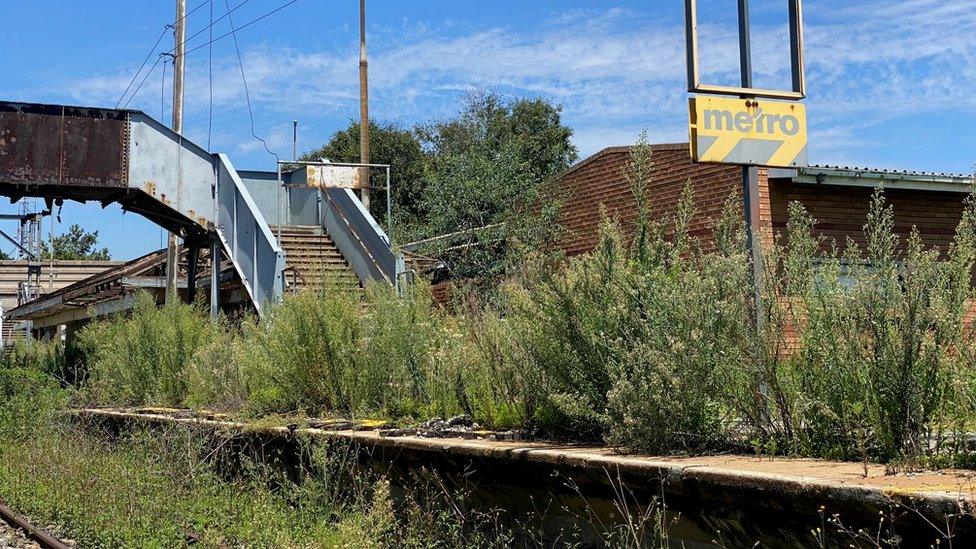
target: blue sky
<point>890,82</point>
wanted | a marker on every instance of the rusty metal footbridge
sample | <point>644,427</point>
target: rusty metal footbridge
<point>59,152</point>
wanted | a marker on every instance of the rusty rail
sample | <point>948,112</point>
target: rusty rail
<point>44,539</point>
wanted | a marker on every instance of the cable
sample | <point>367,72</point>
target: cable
<point>211,25</point>
<point>153,49</point>
<point>144,61</point>
<point>210,80</point>
<point>240,61</point>
<point>139,87</point>
<point>242,27</point>
<point>221,37</point>
<point>191,12</point>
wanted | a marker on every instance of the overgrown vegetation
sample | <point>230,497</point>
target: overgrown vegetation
<point>179,486</point>
<point>860,350</point>
<point>651,342</point>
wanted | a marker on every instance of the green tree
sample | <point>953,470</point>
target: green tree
<point>495,165</point>
<point>389,144</point>
<point>76,244</point>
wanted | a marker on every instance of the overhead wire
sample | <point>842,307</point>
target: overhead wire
<point>242,27</point>
<point>143,82</point>
<point>153,50</point>
<point>144,61</point>
<point>240,61</point>
<point>209,44</point>
<point>210,80</point>
<point>211,25</point>
<point>191,12</point>
<point>171,54</point>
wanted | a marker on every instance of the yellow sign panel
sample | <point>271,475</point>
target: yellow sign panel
<point>748,131</point>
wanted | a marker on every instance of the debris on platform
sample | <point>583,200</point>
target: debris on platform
<point>461,426</point>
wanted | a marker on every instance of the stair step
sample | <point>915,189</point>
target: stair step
<point>315,256</point>
<point>310,241</point>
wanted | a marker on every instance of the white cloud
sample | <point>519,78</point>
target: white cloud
<point>616,71</point>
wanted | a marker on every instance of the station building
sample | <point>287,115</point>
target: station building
<point>837,197</point>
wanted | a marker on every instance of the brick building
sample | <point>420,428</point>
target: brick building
<point>837,198</point>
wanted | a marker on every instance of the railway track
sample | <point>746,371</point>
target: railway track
<point>33,536</point>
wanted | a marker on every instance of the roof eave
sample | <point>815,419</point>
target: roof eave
<point>874,178</point>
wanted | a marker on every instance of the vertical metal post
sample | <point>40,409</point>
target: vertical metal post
<point>745,45</point>
<point>192,257</point>
<point>796,45</point>
<point>214,275</point>
<point>389,208</point>
<point>215,243</point>
<point>363,99</point>
<point>179,56</point>
<point>294,139</point>
<point>750,174</point>
<point>279,205</point>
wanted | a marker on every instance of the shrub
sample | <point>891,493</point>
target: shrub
<point>144,359</point>
<point>29,402</point>
<point>302,355</point>
<point>882,355</point>
<point>65,363</point>
<point>651,342</point>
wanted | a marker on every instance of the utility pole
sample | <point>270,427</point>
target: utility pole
<point>363,102</point>
<point>173,244</point>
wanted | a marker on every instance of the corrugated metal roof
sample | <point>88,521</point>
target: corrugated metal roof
<point>823,174</point>
<point>887,171</point>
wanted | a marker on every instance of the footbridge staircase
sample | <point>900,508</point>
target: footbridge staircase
<point>58,153</point>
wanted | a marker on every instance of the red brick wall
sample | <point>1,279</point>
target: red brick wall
<point>840,212</point>
<point>602,180</point>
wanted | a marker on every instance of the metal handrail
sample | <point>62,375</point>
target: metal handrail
<point>352,230</point>
<point>413,246</point>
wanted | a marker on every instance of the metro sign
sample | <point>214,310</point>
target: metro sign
<point>748,131</point>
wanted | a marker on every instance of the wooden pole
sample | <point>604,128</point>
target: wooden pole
<point>173,244</point>
<point>363,100</point>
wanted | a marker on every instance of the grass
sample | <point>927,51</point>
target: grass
<point>173,487</point>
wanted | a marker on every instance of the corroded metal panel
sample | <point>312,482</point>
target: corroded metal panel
<point>56,145</point>
<point>95,148</point>
<point>30,147</point>
<point>324,176</point>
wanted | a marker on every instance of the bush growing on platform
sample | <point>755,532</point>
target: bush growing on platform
<point>635,342</point>
<point>883,363</point>
<point>652,342</point>
<point>145,358</point>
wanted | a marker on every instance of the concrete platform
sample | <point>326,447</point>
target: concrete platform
<point>732,500</point>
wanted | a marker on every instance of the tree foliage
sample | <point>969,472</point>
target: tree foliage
<point>76,243</point>
<point>491,167</point>
<point>389,144</point>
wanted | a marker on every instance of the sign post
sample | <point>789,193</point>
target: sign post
<point>734,126</point>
